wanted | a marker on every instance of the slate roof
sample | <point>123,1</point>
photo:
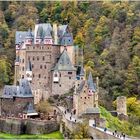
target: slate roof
<point>30,108</point>
<point>67,40</point>
<point>64,63</point>
<point>29,34</point>
<point>62,29</point>
<point>20,36</point>
<point>82,72</point>
<point>91,85</point>
<point>80,87</point>
<point>9,91</point>
<point>43,30</point>
<point>23,90</point>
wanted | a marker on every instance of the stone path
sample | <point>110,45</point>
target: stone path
<point>73,118</point>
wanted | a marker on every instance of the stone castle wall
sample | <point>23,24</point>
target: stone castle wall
<point>14,105</point>
<point>17,126</point>
<point>66,82</point>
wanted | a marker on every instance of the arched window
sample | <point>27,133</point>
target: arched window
<point>39,76</point>
<point>22,60</point>
<point>37,57</point>
<point>43,58</point>
<point>33,58</point>
<point>40,66</point>
<point>45,67</point>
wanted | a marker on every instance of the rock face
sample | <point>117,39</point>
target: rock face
<point>14,126</point>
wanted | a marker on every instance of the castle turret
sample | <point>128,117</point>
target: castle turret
<point>29,38</point>
<point>29,71</point>
<point>121,105</point>
<point>91,85</point>
<point>82,73</point>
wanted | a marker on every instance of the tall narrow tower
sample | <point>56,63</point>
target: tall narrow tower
<point>121,105</point>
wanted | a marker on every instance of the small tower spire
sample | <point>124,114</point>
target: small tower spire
<point>91,85</point>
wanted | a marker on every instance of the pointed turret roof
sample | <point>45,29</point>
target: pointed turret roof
<point>30,108</point>
<point>29,66</point>
<point>91,85</point>
<point>82,72</point>
<point>24,89</point>
<point>64,63</point>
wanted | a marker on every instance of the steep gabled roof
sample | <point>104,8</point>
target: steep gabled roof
<point>64,63</point>
<point>80,87</point>
<point>43,30</point>
<point>82,72</point>
<point>29,34</point>
<point>20,36</point>
<point>62,29</point>
<point>30,108</point>
<point>9,91</point>
<point>91,85</point>
<point>24,89</point>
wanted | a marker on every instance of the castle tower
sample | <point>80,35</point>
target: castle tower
<point>63,75</point>
<point>66,42</point>
<point>121,105</point>
<point>91,85</point>
<point>85,101</point>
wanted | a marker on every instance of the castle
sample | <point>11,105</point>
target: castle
<point>46,57</point>
<point>45,65</point>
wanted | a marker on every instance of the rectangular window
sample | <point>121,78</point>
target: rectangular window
<point>69,72</point>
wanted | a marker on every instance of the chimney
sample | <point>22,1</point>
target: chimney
<point>55,33</point>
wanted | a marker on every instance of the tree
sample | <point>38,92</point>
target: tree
<point>81,131</point>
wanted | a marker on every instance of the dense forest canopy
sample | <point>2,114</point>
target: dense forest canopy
<point>109,33</point>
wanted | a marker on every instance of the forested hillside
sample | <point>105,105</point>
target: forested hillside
<point>109,32</point>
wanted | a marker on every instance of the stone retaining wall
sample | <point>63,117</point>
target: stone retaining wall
<point>17,126</point>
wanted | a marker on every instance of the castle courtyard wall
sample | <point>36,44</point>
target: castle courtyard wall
<point>19,126</point>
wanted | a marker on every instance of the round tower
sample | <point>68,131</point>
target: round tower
<point>121,105</point>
